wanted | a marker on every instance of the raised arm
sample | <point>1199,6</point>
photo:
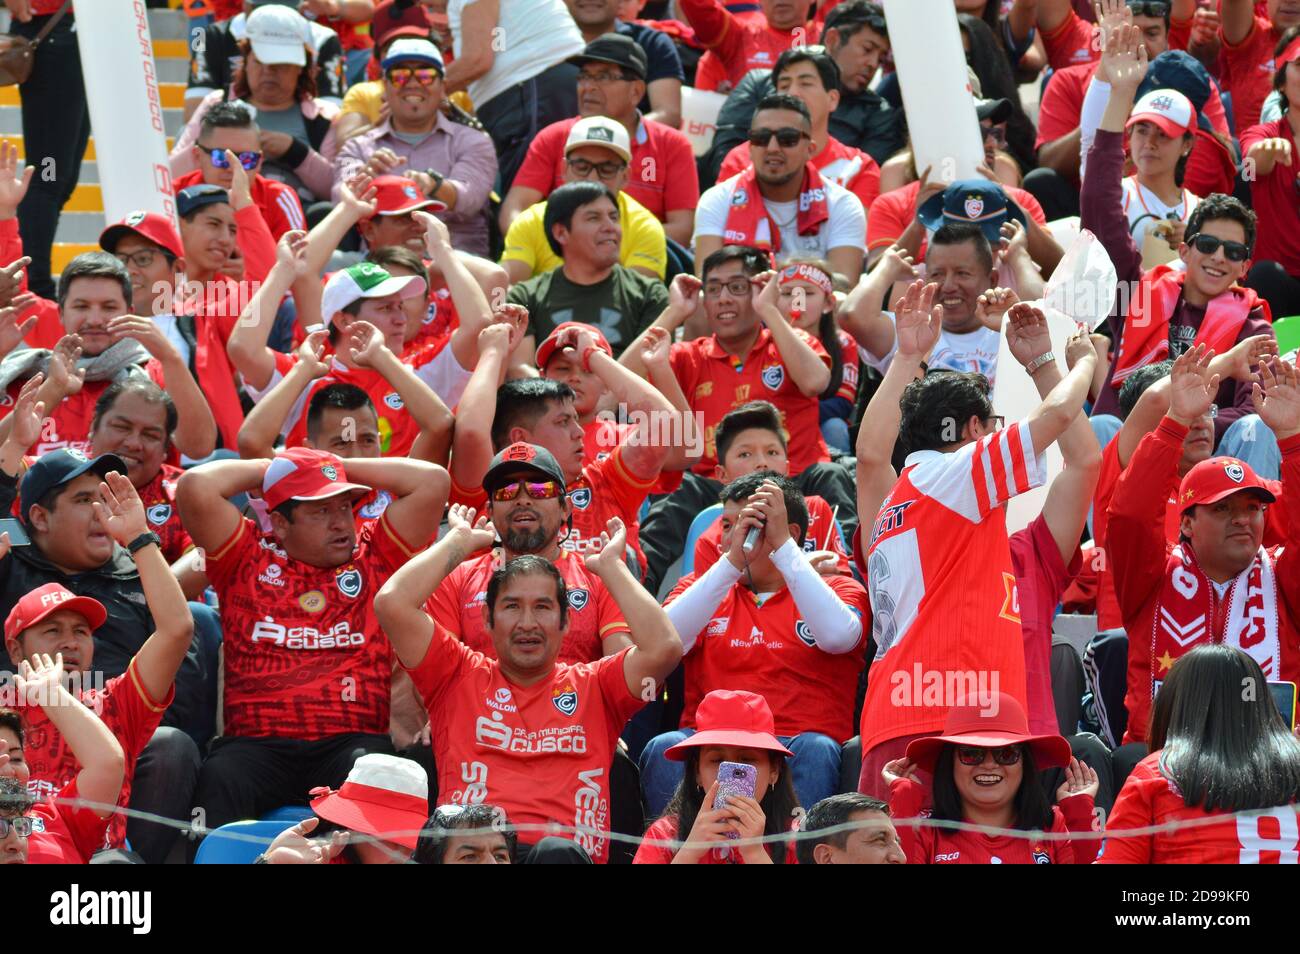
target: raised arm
<point>203,495</point>
<point>265,422</point>
<point>247,347</point>
<point>472,306</point>
<point>356,201</point>
<point>1238,19</point>
<point>656,356</point>
<point>471,446</point>
<point>656,647</point>
<point>419,492</point>
<point>862,314</point>
<point>809,370</point>
<point>96,749</point>
<point>158,660</point>
<point>1055,413</point>
<point>683,300</point>
<point>399,604</point>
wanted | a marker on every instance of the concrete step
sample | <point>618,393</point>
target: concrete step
<point>171,94</point>
<point>87,161</point>
<point>11,121</point>
<point>60,255</point>
<point>79,227</point>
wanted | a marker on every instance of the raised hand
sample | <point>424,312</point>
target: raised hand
<point>712,826</point>
<point>903,768</point>
<point>1028,336</point>
<point>293,847</point>
<point>28,413</point>
<point>918,320</point>
<point>147,333</point>
<point>14,180</point>
<point>11,279</point>
<point>1080,347</point>
<point>241,195</point>
<point>1277,397</point>
<point>765,292</point>
<point>495,336</point>
<point>291,252</point>
<point>928,188</point>
<point>1014,239</point>
<point>656,348</point>
<point>896,264</point>
<point>121,512</point>
<point>1192,387</point>
<point>311,354</point>
<point>477,531</point>
<point>12,331</point>
<point>38,683</point>
<point>1124,58</point>
<point>365,344</point>
<point>1240,361</point>
<point>684,294</point>
<point>358,194</point>
<point>993,304</point>
<point>612,546</point>
<point>62,371</point>
<point>436,235</point>
<point>1080,779</point>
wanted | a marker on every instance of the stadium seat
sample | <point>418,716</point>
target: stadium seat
<point>703,520</point>
<point>239,843</point>
<point>1287,330</point>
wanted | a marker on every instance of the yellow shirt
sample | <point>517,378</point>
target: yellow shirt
<point>367,98</point>
<point>643,244</point>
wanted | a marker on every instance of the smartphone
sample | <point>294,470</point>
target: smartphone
<point>1284,695</point>
<point>17,533</point>
<point>734,778</point>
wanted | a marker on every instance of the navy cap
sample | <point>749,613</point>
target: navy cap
<point>970,202</point>
<point>1178,69</point>
<point>192,198</point>
<point>60,466</point>
<point>519,457</point>
<point>993,110</point>
<point>617,49</point>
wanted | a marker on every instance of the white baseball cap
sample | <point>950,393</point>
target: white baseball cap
<point>600,131</point>
<point>410,48</point>
<point>1168,109</point>
<point>365,280</point>
<point>278,35</point>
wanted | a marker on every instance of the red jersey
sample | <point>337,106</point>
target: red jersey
<point>893,212</point>
<point>770,650</point>
<point>715,383</point>
<point>665,829</point>
<point>1070,43</point>
<point>845,166</point>
<point>822,535</point>
<point>159,499</point>
<point>1150,798</point>
<point>304,655</point>
<point>540,752</point>
<point>280,205</point>
<point>926,845</point>
<point>943,588</point>
<point>68,424</point>
<point>64,834</point>
<point>1247,71</point>
<point>131,714</point>
<point>737,44</point>
<point>851,362</point>
<point>601,435</point>
<point>457,605</point>
<point>1138,550</point>
<point>1275,201</point>
<point>661,176</point>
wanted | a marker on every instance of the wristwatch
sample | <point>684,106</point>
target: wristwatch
<point>142,541</point>
<point>1043,359</point>
<point>438,179</point>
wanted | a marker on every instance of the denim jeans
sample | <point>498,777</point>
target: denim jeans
<point>815,769</point>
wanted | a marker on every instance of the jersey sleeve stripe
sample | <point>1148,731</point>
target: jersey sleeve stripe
<point>626,475</point>
<point>134,677</point>
<point>222,550</point>
<point>979,480</point>
<point>390,531</point>
<point>996,450</point>
<point>620,626</point>
<point>1020,457</point>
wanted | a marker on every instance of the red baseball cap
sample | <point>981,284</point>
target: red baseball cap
<point>384,796</point>
<point>732,717</point>
<point>998,724</point>
<point>397,195</point>
<point>51,598</point>
<point>154,226</point>
<point>547,347</point>
<point>303,473</point>
<point>390,20</point>
<point>1218,477</point>
<point>1290,54</point>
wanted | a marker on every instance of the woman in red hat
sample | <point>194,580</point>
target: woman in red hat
<point>985,770</point>
<point>1217,750</point>
<point>731,726</point>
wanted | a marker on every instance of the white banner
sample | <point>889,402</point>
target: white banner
<point>126,112</point>
<point>926,45</point>
<point>700,110</point>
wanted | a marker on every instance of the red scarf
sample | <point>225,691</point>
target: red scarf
<point>1146,333</point>
<point>748,222</point>
<point>1190,613</point>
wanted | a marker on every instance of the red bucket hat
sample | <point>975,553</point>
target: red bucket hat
<point>732,717</point>
<point>384,796</point>
<point>1002,723</point>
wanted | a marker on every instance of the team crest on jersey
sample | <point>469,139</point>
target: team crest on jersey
<point>718,626</point>
<point>565,700</point>
<point>581,498</point>
<point>578,599</point>
<point>774,377</point>
<point>349,582</point>
<point>740,197</point>
<point>1236,473</point>
<point>313,601</point>
<point>159,514</point>
<point>805,634</point>
<point>503,695</point>
<point>330,471</point>
<point>375,509</point>
<point>394,401</point>
<point>1041,857</point>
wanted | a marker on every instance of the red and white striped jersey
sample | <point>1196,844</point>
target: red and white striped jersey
<point>945,613</point>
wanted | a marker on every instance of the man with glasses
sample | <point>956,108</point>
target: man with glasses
<point>661,166</point>
<point>531,511</point>
<point>597,150</point>
<point>782,204</point>
<point>230,126</point>
<point>447,161</point>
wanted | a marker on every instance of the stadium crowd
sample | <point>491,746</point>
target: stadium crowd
<point>483,469</point>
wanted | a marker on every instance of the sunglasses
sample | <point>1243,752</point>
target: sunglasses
<point>22,826</point>
<point>538,490</point>
<point>248,160</point>
<point>787,137</point>
<point>1149,8</point>
<point>606,170</point>
<point>399,76</point>
<point>974,754</point>
<point>1208,245</point>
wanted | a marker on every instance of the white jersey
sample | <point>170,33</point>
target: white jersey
<point>1144,208</point>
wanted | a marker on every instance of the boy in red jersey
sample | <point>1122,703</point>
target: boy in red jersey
<point>523,731</point>
<point>307,678</point>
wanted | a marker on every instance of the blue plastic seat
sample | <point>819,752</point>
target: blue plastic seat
<point>239,843</point>
<point>289,813</point>
<point>703,520</point>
